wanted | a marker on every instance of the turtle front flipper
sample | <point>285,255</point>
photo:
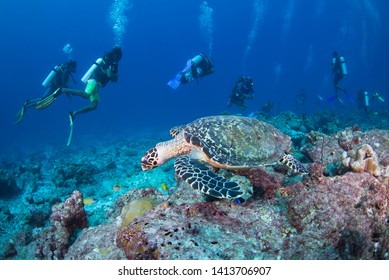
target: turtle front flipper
<point>294,164</point>
<point>200,177</point>
<point>175,130</point>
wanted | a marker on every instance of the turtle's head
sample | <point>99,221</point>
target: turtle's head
<point>163,152</point>
<point>154,157</point>
<point>150,160</point>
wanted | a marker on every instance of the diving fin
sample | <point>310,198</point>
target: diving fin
<point>71,119</point>
<point>48,100</point>
<point>349,97</point>
<point>340,100</point>
<point>20,114</point>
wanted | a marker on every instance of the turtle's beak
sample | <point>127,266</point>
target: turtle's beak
<point>149,160</point>
<point>145,165</point>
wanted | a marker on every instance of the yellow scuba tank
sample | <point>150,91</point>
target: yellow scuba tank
<point>88,73</point>
<point>51,76</point>
<point>343,65</point>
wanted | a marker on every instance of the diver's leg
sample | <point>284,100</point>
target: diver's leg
<point>27,104</point>
<point>88,108</point>
<point>77,92</point>
<point>31,103</point>
<point>336,81</point>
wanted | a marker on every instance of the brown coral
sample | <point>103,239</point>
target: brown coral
<point>366,161</point>
<point>136,208</point>
<point>64,219</point>
<point>133,243</point>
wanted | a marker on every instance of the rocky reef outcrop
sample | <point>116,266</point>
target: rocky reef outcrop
<point>340,210</point>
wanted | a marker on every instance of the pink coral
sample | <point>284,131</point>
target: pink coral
<point>260,179</point>
<point>344,212</point>
<point>133,243</point>
<point>64,219</point>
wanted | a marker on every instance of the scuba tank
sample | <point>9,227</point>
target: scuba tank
<point>88,73</point>
<point>197,59</point>
<point>51,76</point>
<point>366,95</point>
<point>343,65</point>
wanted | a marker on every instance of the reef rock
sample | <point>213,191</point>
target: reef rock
<point>345,151</point>
<point>96,243</point>
<point>205,230</point>
<point>366,160</point>
<point>8,186</point>
<point>65,218</point>
<point>343,217</point>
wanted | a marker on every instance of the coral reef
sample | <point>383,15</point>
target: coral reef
<point>264,183</point>
<point>135,208</point>
<point>78,173</point>
<point>314,221</point>
<point>96,243</point>
<point>338,211</point>
<point>349,147</point>
<point>8,186</point>
<point>205,230</point>
<point>366,161</point>
<point>65,218</point>
<point>353,205</point>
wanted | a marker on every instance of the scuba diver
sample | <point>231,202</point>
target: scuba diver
<point>197,67</point>
<point>339,70</point>
<point>99,74</point>
<point>57,78</point>
<point>364,99</point>
<point>242,90</point>
<point>267,108</point>
<point>301,97</point>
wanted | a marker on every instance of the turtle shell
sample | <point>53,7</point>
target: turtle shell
<point>236,142</point>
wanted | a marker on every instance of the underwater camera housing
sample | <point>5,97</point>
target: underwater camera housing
<point>113,58</point>
<point>114,71</point>
<point>114,68</point>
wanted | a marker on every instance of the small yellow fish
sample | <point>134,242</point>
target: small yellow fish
<point>164,187</point>
<point>89,201</point>
<point>117,188</point>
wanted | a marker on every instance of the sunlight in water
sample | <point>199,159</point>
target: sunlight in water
<point>288,16</point>
<point>309,59</point>
<point>259,7</point>
<point>277,74</point>
<point>206,24</point>
<point>119,19</point>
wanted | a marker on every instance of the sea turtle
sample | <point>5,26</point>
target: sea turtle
<point>227,142</point>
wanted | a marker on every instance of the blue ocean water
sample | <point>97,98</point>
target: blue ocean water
<point>285,45</point>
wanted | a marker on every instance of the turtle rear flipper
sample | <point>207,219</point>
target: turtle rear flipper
<point>201,178</point>
<point>294,164</point>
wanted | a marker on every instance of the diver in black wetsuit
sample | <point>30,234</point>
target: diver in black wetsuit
<point>242,90</point>
<point>57,79</point>
<point>196,67</point>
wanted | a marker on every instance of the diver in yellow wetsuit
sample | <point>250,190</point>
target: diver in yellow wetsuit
<point>101,72</point>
